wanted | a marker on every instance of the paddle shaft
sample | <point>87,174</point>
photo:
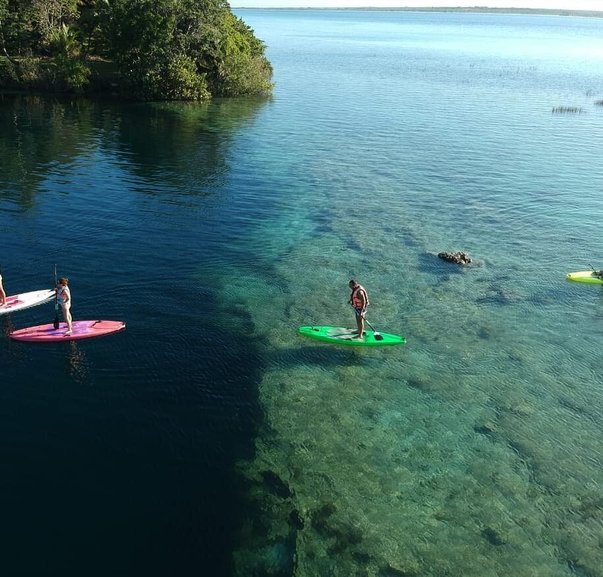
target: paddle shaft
<point>56,323</point>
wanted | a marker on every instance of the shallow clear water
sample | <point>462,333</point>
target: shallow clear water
<point>208,436</point>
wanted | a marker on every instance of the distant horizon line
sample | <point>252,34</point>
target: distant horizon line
<point>555,11</point>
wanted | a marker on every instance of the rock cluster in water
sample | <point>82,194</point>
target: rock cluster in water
<point>455,257</point>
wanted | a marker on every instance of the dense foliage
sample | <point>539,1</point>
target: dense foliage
<point>145,49</point>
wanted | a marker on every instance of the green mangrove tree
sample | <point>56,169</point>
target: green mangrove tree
<point>142,49</point>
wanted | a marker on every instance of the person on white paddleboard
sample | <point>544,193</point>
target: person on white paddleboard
<point>64,298</point>
<point>359,300</point>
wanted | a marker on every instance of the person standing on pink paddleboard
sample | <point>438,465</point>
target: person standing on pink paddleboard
<point>64,298</point>
<point>2,293</point>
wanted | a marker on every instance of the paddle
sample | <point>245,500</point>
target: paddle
<point>378,337</point>
<point>55,324</point>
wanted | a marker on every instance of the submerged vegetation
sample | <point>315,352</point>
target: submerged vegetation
<point>567,110</point>
<point>140,49</point>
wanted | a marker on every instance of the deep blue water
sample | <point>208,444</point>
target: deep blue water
<point>117,454</point>
<point>207,438</point>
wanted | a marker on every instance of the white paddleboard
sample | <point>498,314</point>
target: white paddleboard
<point>26,300</point>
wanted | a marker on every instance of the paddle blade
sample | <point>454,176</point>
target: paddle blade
<point>55,323</point>
<point>378,337</point>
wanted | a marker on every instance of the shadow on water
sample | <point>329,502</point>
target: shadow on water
<point>185,144</point>
<point>36,134</point>
<point>327,356</point>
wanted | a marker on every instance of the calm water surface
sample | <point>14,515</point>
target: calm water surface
<point>208,438</point>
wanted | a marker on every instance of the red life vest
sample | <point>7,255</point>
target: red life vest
<point>355,298</point>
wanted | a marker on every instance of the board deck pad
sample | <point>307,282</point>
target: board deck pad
<point>81,330</point>
<point>349,337</point>
<point>24,301</point>
<point>585,276</point>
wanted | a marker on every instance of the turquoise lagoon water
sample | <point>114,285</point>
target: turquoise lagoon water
<point>209,438</point>
<point>392,136</point>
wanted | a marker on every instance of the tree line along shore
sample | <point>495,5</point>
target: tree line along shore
<point>135,49</point>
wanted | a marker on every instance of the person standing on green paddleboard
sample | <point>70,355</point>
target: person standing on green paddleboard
<point>359,300</point>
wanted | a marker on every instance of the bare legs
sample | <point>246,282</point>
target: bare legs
<point>68,318</point>
<point>360,324</point>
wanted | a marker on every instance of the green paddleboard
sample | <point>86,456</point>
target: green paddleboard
<point>586,276</point>
<point>341,336</point>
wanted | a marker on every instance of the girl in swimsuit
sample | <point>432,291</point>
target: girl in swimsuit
<point>64,298</point>
<point>2,293</point>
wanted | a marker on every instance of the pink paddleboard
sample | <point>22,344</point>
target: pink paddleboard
<point>81,330</point>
